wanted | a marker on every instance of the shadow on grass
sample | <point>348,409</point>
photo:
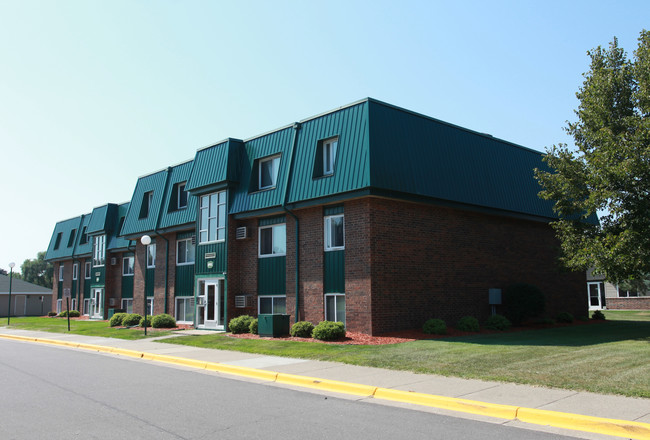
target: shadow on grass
<point>570,336</point>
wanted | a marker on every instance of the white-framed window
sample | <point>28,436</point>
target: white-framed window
<point>329,155</point>
<point>59,306</point>
<point>150,306</point>
<point>335,307</point>
<point>75,271</point>
<point>86,310</point>
<point>212,217</point>
<point>127,305</point>
<point>185,310</point>
<point>147,203</point>
<point>151,256</point>
<point>273,240</point>
<point>61,268</point>
<point>73,304</point>
<point>272,304</point>
<point>334,232</point>
<point>99,250</point>
<point>87,270</point>
<point>268,172</point>
<point>182,196</point>
<point>184,252</point>
<point>128,266</point>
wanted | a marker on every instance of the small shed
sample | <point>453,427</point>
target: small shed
<point>27,299</point>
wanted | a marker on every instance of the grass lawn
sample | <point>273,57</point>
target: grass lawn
<point>612,357</point>
<point>80,327</point>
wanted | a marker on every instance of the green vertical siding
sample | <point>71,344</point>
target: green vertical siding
<point>185,280</point>
<point>127,287</point>
<point>60,289</point>
<point>334,272</point>
<point>97,276</point>
<point>149,280</point>
<point>219,261</point>
<point>272,276</point>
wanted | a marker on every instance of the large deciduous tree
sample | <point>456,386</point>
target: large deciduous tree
<point>38,271</point>
<point>608,171</point>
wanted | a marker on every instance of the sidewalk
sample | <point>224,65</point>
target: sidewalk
<point>416,391</point>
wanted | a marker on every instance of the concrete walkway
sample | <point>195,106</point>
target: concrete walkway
<point>548,410</point>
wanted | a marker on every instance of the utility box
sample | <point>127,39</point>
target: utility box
<point>111,312</point>
<point>495,297</point>
<point>273,326</point>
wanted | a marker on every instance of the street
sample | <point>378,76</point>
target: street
<point>57,393</point>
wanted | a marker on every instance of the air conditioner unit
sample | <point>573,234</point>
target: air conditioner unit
<point>194,239</point>
<point>113,261</point>
<point>111,302</point>
<point>243,301</point>
<point>241,233</point>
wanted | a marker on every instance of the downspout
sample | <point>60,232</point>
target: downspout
<point>155,230</point>
<point>296,129</point>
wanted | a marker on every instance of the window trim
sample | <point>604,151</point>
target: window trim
<point>87,270</point>
<point>189,303</point>
<point>327,239</point>
<point>325,310</point>
<point>75,271</point>
<point>259,241</point>
<point>151,264</point>
<point>274,171</point>
<point>328,166</point>
<point>123,305</point>
<point>181,189</point>
<point>260,297</point>
<point>61,269</point>
<point>219,225</point>
<point>131,266</point>
<point>186,263</point>
<point>99,253</point>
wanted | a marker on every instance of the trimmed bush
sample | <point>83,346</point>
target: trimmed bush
<point>50,314</point>
<point>435,327</point>
<point>73,314</point>
<point>498,322</point>
<point>141,323</point>
<point>468,324</point>
<point>163,321</point>
<point>240,324</point>
<point>598,316</point>
<point>523,301</point>
<point>253,327</point>
<point>302,329</point>
<point>329,331</point>
<point>131,320</point>
<point>565,317</point>
<point>116,319</point>
<point>63,314</point>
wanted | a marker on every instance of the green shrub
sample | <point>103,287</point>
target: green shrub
<point>435,327</point>
<point>141,323</point>
<point>75,313</point>
<point>302,329</point>
<point>329,331</point>
<point>131,320</point>
<point>50,314</point>
<point>468,324</point>
<point>565,317</point>
<point>116,319</point>
<point>63,314</point>
<point>240,324</point>
<point>163,321</point>
<point>498,322</point>
<point>523,301</point>
<point>253,326</point>
<point>598,316</point>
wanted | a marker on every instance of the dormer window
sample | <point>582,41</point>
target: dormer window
<point>182,196</point>
<point>71,237</point>
<point>147,202</point>
<point>84,236</point>
<point>329,156</point>
<point>57,243</point>
<point>268,172</point>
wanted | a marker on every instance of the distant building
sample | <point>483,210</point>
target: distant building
<point>27,299</point>
<point>606,295</point>
<point>370,214</point>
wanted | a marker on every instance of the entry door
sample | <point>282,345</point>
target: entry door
<point>596,296</point>
<point>97,303</point>
<point>211,304</point>
<point>20,305</point>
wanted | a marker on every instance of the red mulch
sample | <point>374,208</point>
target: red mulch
<point>355,338</point>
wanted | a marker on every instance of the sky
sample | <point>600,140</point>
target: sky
<point>94,94</point>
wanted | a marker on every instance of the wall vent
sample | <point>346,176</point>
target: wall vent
<point>243,301</point>
<point>241,233</point>
<point>113,261</point>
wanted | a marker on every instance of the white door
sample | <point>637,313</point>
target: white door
<point>210,304</point>
<point>596,295</point>
<point>97,304</point>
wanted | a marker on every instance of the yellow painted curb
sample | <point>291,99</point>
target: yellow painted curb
<point>618,428</point>
<point>179,361</point>
<point>94,347</point>
<point>124,352</point>
<point>451,403</point>
<point>56,342</point>
<point>326,384</point>
<point>252,373</point>
<point>19,338</point>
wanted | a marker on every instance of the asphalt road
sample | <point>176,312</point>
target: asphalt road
<point>58,393</point>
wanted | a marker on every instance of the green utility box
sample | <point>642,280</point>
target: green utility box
<point>273,326</point>
<point>111,312</point>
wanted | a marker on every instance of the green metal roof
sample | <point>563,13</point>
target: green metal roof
<point>220,163</point>
<point>62,231</point>
<point>170,215</point>
<point>87,247</point>
<point>103,219</point>
<point>115,241</point>
<point>133,223</point>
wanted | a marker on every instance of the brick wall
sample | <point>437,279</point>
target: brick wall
<point>632,303</point>
<point>159,275</point>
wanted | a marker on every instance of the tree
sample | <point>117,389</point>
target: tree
<point>608,174</point>
<point>38,271</point>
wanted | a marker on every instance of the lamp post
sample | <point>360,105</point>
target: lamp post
<point>146,241</point>
<point>11,276</point>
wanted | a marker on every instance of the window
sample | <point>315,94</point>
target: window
<point>212,218</point>
<point>73,304</point>
<point>99,250</point>
<point>87,270</point>
<point>71,237</point>
<point>75,271</point>
<point>268,172</point>
<point>119,226</point>
<point>150,306</point>
<point>335,307</point>
<point>59,304</point>
<point>57,243</point>
<point>147,202</point>
<point>329,155</point>
<point>273,240</point>
<point>128,265</point>
<point>184,252</point>
<point>86,310</point>
<point>151,255</point>
<point>84,236</point>
<point>185,310</point>
<point>182,196</point>
<point>127,305</point>
<point>272,305</point>
<point>334,233</point>
<point>61,267</point>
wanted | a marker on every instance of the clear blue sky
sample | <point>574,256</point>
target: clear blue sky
<point>94,94</point>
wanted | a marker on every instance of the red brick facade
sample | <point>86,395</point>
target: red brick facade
<point>631,303</point>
